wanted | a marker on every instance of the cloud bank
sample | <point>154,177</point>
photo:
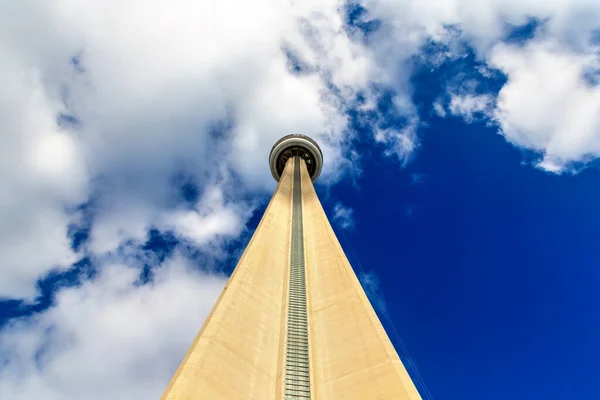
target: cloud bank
<point>108,338</point>
<point>548,51</point>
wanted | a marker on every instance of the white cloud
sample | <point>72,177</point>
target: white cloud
<point>211,219</point>
<point>156,89</point>
<point>343,216</point>
<point>439,109</point>
<point>546,105</point>
<point>469,106</point>
<point>108,338</point>
<point>42,171</point>
<point>370,284</point>
<point>483,23</point>
<point>400,143</point>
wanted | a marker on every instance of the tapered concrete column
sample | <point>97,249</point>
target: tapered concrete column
<point>293,322</point>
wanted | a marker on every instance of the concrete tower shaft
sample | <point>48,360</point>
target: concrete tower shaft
<point>293,322</point>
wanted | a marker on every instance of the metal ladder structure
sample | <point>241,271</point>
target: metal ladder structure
<point>297,371</point>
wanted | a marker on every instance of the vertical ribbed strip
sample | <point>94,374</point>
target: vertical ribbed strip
<point>297,372</point>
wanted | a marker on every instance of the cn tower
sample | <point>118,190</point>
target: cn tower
<point>293,321</point>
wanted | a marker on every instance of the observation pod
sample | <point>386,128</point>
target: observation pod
<point>296,145</point>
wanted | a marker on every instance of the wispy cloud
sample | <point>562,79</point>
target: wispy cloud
<point>343,216</point>
<point>370,284</point>
<point>439,109</point>
<point>417,178</point>
<point>471,106</point>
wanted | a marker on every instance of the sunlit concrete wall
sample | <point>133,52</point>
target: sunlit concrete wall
<point>351,354</point>
<point>240,351</point>
<point>237,353</point>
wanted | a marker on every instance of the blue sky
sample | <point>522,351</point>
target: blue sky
<point>491,277</point>
<point>461,145</point>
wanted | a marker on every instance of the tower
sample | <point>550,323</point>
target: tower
<point>293,321</point>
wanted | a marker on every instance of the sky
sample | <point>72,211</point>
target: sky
<point>461,144</point>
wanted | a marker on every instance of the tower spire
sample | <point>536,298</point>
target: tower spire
<point>293,321</point>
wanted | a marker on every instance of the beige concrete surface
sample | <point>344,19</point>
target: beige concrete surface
<point>240,351</point>
<point>352,356</point>
<point>236,354</point>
